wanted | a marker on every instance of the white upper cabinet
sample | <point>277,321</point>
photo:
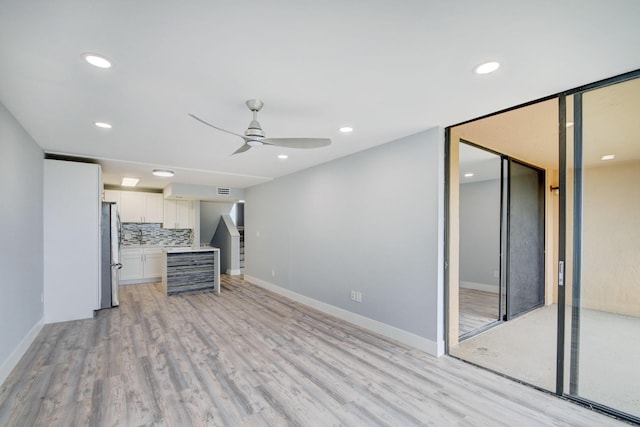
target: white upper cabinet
<point>140,207</point>
<point>153,204</point>
<point>112,196</point>
<point>178,214</point>
<point>132,206</point>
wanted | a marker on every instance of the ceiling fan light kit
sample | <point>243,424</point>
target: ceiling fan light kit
<point>254,136</point>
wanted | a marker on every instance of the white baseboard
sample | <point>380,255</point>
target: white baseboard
<point>480,287</point>
<point>20,350</point>
<point>408,338</point>
<point>231,272</point>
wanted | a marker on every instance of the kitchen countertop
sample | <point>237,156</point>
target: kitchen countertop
<point>154,246</point>
<point>184,249</point>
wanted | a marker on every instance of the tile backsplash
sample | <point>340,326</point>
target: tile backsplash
<point>154,234</point>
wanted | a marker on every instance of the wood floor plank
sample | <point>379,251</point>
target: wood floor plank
<point>249,357</point>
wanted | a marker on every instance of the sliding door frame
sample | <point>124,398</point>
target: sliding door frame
<point>563,266</point>
<point>576,262</point>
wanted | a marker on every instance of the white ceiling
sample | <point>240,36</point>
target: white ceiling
<point>387,68</point>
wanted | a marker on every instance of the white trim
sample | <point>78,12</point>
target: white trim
<point>494,289</point>
<point>231,272</point>
<point>408,338</point>
<point>440,299</point>
<point>20,350</point>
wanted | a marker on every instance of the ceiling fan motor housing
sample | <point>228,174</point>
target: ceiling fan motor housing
<point>254,129</point>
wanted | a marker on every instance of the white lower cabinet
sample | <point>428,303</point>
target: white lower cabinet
<point>153,263</point>
<point>140,265</point>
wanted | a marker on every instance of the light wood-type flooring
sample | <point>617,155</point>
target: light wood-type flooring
<point>249,357</point>
<point>476,309</point>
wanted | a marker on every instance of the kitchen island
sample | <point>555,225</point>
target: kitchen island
<point>187,269</point>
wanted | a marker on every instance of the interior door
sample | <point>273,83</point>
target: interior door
<point>525,239</point>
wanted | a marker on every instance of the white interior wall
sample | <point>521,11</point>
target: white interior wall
<point>21,251</point>
<point>370,222</point>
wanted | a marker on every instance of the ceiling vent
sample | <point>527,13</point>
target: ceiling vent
<point>222,191</point>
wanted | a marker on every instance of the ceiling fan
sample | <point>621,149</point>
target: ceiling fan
<point>254,135</point>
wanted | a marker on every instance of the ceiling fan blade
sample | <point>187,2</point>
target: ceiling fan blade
<point>216,127</point>
<point>242,149</point>
<point>297,142</point>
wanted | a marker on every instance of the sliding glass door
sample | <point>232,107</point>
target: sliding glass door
<point>579,217</point>
<point>480,225</point>
<point>599,305</point>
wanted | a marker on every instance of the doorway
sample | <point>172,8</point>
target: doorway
<point>521,334</point>
<point>501,246</point>
<point>579,338</point>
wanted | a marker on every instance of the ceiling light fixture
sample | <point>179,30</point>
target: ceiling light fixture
<point>129,182</point>
<point>487,67</point>
<point>468,175</point>
<point>96,60</point>
<point>166,173</point>
<point>346,129</point>
<point>608,157</point>
<point>103,125</point>
<point>283,156</point>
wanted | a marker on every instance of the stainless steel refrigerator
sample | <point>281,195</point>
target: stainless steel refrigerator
<point>110,263</point>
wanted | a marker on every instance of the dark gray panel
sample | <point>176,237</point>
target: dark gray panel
<point>525,274</point>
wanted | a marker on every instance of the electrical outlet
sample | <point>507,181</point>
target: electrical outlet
<point>495,273</point>
<point>273,273</point>
<point>358,296</point>
<point>353,295</point>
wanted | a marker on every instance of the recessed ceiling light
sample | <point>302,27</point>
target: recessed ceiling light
<point>487,67</point>
<point>468,175</point>
<point>103,125</point>
<point>163,172</point>
<point>96,61</point>
<point>129,182</point>
<point>608,157</point>
<point>569,124</point>
<point>346,129</point>
<point>283,156</point>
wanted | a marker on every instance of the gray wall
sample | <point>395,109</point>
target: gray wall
<point>209,217</point>
<point>227,239</point>
<point>371,222</point>
<point>21,228</point>
<point>480,233</point>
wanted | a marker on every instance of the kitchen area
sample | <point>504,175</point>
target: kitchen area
<point>158,241</point>
<point>101,237</point>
